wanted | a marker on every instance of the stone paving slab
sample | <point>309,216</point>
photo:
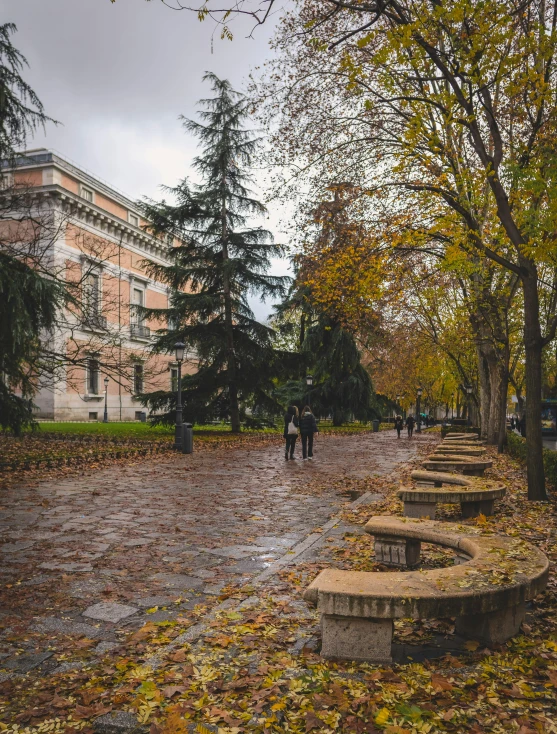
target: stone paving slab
<point>109,611</point>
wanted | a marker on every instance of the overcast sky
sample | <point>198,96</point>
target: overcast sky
<point>117,75</point>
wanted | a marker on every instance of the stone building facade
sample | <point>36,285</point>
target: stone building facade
<point>99,243</point>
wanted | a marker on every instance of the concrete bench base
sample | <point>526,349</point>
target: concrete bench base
<point>400,552</point>
<point>420,509</point>
<point>428,509</point>
<point>473,509</point>
<point>493,627</point>
<point>370,640</point>
<point>355,638</point>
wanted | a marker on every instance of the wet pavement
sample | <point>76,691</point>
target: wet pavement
<point>84,560</point>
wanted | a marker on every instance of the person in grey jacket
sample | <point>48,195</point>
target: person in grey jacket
<point>308,427</point>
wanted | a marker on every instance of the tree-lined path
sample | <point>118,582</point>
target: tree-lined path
<point>146,535</point>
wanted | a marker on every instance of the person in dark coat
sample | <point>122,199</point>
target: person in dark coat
<point>308,427</point>
<point>522,425</point>
<point>399,425</point>
<point>410,423</point>
<point>291,422</point>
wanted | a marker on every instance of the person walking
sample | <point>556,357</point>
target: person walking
<point>308,428</point>
<point>291,424</point>
<point>410,423</point>
<point>399,425</point>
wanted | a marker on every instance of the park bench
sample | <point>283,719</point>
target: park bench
<point>486,591</point>
<point>461,437</point>
<point>463,442</point>
<point>474,495</point>
<point>461,464</point>
<point>460,449</point>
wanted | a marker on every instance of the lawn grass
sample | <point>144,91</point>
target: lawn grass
<point>135,429</point>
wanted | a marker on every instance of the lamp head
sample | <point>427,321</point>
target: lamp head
<point>468,389</point>
<point>106,381</point>
<point>179,348</point>
<point>419,391</point>
<point>309,380</point>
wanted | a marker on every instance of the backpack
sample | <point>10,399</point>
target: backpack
<point>292,428</point>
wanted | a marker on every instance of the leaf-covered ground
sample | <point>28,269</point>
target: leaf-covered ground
<point>249,662</point>
<point>56,449</point>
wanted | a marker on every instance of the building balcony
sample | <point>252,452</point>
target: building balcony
<point>139,331</point>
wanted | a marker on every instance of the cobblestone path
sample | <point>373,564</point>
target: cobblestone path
<point>83,559</point>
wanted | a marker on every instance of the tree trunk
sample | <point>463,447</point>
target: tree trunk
<point>498,379</point>
<point>502,442</point>
<point>485,390</point>
<point>533,347</point>
<point>229,326</point>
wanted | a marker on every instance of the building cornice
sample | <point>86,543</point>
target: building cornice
<point>44,158</point>
<point>105,223</point>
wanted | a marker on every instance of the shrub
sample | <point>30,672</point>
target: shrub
<point>458,429</point>
<point>516,447</point>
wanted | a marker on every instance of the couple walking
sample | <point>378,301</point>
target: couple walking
<point>399,425</point>
<point>307,426</point>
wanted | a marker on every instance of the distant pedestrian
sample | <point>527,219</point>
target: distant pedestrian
<point>410,423</point>
<point>513,424</point>
<point>291,424</point>
<point>522,426</point>
<point>308,427</point>
<point>399,425</point>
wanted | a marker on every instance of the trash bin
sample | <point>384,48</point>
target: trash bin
<point>375,426</point>
<point>187,438</point>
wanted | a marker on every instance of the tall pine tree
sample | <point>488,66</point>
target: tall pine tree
<point>28,299</point>
<point>220,260</point>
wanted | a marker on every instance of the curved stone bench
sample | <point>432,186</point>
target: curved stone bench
<point>461,464</point>
<point>486,594</point>
<point>460,449</point>
<point>462,437</point>
<point>474,495</point>
<point>473,444</point>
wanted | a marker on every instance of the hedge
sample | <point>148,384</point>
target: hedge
<point>516,447</point>
<point>459,429</point>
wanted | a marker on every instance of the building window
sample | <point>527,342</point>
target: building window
<point>6,180</point>
<point>172,323</point>
<point>137,379</point>
<point>92,294</point>
<point>170,239</point>
<point>86,194</point>
<point>93,377</point>
<point>138,300</point>
<point>133,219</point>
<point>174,379</point>
<point>93,416</point>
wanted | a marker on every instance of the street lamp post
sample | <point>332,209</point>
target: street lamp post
<point>452,405</point>
<point>309,383</point>
<point>397,403</point>
<point>105,418</point>
<point>179,348</point>
<point>468,389</point>
<point>419,392</point>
